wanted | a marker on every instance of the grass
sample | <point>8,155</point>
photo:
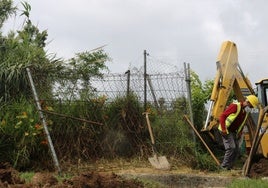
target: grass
<point>249,183</point>
<point>151,184</point>
<point>27,176</point>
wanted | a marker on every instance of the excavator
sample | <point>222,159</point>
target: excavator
<point>230,81</point>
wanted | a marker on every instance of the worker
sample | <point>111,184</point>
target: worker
<point>231,125</point>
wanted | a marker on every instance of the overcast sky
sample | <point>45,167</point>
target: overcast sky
<point>177,31</point>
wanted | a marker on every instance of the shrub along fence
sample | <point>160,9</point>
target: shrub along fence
<point>106,122</point>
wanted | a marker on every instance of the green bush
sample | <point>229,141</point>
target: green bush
<point>21,134</point>
<point>73,134</point>
<point>173,136</point>
<point>125,130</point>
<point>204,161</point>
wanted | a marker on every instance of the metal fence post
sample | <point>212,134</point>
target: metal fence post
<point>145,78</point>
<point>189,93</point>
<point>42,117</point>
<point>128,82</point>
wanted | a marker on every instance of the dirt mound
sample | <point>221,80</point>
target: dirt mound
<point>259,168</point>
<point>10,178</point>
<point>8,175</point>
<point>44,180</point>
<point>105,180</point>
<point>86,179</point>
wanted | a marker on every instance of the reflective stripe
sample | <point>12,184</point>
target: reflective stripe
<point>229,120</point>
<point>241,126</point>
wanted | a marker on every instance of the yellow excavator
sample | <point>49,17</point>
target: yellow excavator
<point>231,81</point>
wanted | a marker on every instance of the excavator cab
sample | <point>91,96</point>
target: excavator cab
<point>262,91</point>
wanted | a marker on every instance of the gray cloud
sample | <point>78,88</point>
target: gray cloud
<point>176,30</point>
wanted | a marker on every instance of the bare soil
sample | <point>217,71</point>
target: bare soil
<point>259,168</point>
<point>9,178</point>
<point>122,174</point>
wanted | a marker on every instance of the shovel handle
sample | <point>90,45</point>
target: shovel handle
<point>197,133</point>
<point>149,127</point>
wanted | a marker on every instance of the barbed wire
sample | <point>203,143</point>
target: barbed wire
<point>163,85</point>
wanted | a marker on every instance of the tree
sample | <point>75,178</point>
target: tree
<point>21,49</point>
<point>75,81</point>
<point>199,99</point>
<point>6,10</point>
<point>25,48</point>
<point>207,87</point>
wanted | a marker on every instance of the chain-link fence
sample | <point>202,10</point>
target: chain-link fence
<point>160,86</point>
<point>163,82</point>
<point>110,122</point>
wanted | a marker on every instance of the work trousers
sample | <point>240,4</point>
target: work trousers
<point>230,143</point>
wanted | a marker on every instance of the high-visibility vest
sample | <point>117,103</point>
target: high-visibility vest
<point>230,119</point>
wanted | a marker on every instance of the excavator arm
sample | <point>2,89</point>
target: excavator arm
<point>231,81</point>
<point>229,78</point>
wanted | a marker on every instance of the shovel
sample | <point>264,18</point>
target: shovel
<point>159,162</point>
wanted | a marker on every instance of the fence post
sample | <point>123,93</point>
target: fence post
<point>145,85</point>
<point>189,93</point>
<point>42,117</point>
<point>128,82</point>
<point>153,92</point>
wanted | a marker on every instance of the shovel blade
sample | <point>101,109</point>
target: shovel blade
<point>160,163</point>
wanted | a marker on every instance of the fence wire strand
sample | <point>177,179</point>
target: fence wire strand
<point>165,84</point>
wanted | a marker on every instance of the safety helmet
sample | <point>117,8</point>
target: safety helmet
<point>254,101</point>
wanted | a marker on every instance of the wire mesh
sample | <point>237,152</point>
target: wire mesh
<point>124,130</point>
